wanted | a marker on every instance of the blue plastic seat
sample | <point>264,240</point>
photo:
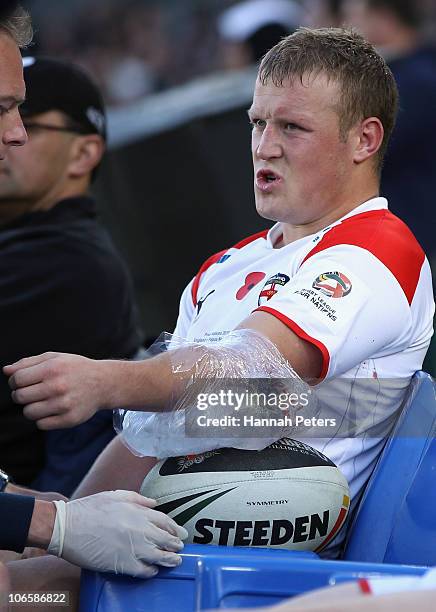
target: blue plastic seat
<point>224,577</point>
<point>396,519</point>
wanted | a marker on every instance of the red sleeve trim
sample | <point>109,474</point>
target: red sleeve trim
<point>214,258</point>
<point>303,335</point>
<point>387,238</point>
<point>364,586</point>
<point>209,262</point>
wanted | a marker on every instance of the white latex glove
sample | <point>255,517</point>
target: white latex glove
<point>116,531</point>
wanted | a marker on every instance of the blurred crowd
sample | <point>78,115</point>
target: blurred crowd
<point>132,47</point>
<point>137,47</point>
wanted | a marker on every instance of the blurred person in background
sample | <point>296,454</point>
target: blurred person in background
<point>408,177</point>
<point>132,47</point>
<point>123,44</point>
<point>62,282</point>
<point>322,13</point>
<point>251,28</point>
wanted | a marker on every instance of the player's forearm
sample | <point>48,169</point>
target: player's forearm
<point>115,468</point>
<point>141,385</point>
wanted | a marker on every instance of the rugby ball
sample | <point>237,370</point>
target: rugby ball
<point>288,495</point>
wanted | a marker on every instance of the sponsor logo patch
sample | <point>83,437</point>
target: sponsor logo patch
<point>271,287</point>
<point>333,284</point>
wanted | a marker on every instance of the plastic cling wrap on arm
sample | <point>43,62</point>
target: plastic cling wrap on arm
<point>238,392</point>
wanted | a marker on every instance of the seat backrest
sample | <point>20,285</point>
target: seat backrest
<point>395,522</point>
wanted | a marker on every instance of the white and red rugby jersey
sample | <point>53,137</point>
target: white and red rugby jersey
<point>360,290</point>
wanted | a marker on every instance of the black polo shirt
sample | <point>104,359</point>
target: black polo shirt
<point>63,287</point>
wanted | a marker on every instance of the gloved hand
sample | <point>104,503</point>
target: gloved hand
<point>116,531</point>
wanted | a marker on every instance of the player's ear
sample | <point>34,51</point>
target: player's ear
<point>86,154</point>
<point>370,138</point>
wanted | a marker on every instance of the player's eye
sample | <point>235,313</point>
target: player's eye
<point>258,123</point>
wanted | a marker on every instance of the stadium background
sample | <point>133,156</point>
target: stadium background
<point>176,185</point>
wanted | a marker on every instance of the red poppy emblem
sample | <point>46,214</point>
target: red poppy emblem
<point>251,280</point>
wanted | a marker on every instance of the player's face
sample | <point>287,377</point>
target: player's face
<point>33,176</point>
<point>12,92</point>
<point>302,166</point>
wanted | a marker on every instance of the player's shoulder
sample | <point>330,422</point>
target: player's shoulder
<point>221,256</point>
<point>380,232</point>
<point>386,237</point>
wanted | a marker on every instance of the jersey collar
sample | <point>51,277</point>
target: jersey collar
<point>377,203</point>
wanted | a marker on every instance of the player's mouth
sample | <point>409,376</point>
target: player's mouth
<point>267,180</point>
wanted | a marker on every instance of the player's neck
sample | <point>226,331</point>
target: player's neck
<point>293,232</point>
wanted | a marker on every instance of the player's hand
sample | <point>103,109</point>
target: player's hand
<point>116,531</point>
<point>57,390</point>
